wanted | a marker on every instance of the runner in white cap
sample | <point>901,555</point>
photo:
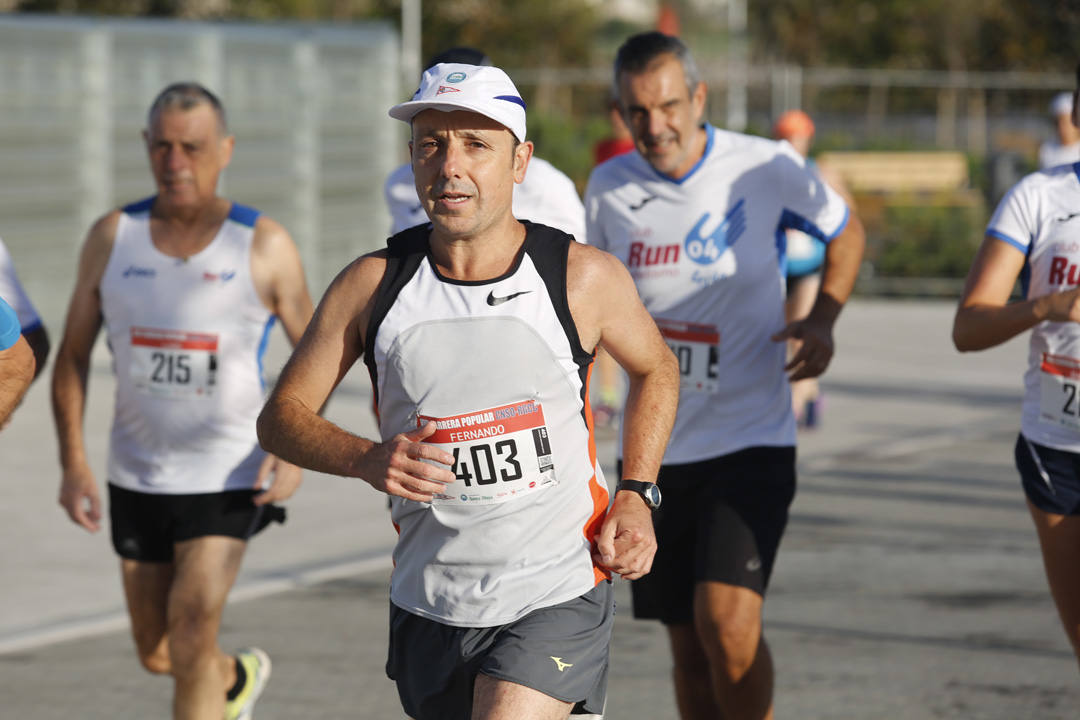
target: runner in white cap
<point>479,332</point>
<point>1034,237</point>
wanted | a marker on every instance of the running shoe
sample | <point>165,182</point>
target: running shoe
<point>257,666</point>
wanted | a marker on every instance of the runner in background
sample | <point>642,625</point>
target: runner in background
<point>30,323</point>
<point>187,285</point>
<point>1064,148</point>
<point>805,257</point>
<point>607,401</point>
<point>694,214</point>
<point>16,363</point>
<point>1032,237</point>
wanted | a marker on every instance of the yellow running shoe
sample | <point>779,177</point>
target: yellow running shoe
<point>257,666</point>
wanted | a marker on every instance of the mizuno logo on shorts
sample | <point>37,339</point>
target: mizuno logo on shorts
<point>560,664</point>
<point>493,301</point>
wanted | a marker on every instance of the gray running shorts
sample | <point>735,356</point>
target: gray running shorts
<point>561,651</point>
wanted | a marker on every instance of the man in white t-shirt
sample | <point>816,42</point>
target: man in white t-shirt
<point>546,195</point>
<point>1064,149</point>
<point>698,216</point>
<point>30,323</point>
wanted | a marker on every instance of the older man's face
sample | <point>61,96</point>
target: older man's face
<point>188,151</point>
<point>663,115</point>
<point>465,165</point>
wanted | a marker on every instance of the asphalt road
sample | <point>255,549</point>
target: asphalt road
<point>909,584</point>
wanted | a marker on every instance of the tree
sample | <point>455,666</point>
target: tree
<point>918,34</point>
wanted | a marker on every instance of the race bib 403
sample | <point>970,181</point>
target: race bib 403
<point>1059,405</point>
<point>697,347</point>
<point>499,454</point>
<point>173,363</point>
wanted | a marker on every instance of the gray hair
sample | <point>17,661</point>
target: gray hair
<point>185,96</point>
<point>639,51</point>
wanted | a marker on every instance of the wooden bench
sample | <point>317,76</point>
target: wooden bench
<point>899,172</point>
<point>882,180</point>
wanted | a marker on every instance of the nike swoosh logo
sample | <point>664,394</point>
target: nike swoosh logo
<point>643,203</point>
<point>493,301</point>
<point>1067,218</point>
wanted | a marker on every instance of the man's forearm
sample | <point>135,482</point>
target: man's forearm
<point>842,259</point>
<point>69,402</point>
<point>647,420</point>
<point>300,436</point>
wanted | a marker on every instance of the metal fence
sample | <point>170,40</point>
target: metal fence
<point>307,104</point>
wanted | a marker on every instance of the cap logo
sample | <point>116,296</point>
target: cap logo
<point>456,77</point>
<point>444,89</point>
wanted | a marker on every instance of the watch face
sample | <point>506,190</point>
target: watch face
<point>652,496</point>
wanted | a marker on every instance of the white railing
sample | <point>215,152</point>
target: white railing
<point>307,104</point>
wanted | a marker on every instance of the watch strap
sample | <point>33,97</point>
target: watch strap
<point>645,489</point>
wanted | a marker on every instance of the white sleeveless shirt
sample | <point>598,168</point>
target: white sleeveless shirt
<point>187,338</point>
<point>499,367</point>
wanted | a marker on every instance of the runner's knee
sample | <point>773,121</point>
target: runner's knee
<point>729,639</point>
<point>192,631</point>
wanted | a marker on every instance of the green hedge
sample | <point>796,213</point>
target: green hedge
<point>915,241</point>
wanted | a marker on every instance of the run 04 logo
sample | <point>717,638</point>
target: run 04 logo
<point>708,244</point>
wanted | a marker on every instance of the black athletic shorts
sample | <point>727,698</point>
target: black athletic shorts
<point>145,526</point>
<point>1051,478</point>
<point>720,520</point>
<point>561,651</point>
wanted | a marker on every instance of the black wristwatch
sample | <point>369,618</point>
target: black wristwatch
<point>648,491</point>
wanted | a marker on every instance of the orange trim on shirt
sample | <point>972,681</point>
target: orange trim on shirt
<point>598,493</point>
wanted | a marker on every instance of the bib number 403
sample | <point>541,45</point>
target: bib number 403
<point>483,459</point>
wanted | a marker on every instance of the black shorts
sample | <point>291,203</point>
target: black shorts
<point>721,520</point>
<point>561,651</point>
<point>1051,478</point>
<point>145,526</point>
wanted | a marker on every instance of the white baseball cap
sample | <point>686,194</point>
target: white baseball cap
<point>1061,104</point>
<point>479,88</point>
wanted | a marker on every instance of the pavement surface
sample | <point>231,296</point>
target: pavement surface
<point>909,584</point>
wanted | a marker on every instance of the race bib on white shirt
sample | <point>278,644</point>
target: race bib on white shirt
<point>173,363</point>
<point>1059,404</point>
<point>499,454</point>
<point>696,346</point>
